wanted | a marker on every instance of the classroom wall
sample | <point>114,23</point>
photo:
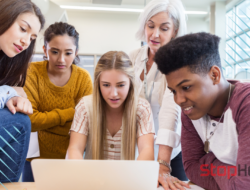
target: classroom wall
<point>104,31</point>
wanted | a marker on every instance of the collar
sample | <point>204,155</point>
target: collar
<point>144,52</point>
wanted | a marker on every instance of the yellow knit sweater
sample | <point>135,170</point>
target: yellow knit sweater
<point>54,106</point>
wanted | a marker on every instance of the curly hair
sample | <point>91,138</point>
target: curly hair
<point>198,51</point>
<point>59,29</point>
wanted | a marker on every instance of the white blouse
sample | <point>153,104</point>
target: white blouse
<point>83,120</point>
<point>166,112</point>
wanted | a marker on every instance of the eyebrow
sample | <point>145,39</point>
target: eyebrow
<point>161,23</point>
<point>29,27</point>
<point>58,49</point>
<point>185,80</point>
<point>116,83</point>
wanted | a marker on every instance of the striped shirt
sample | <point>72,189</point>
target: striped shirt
<point>82,122</point>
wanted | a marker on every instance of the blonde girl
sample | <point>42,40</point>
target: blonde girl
<point>112,122</point>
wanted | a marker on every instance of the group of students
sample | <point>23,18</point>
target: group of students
<point>139,105</point>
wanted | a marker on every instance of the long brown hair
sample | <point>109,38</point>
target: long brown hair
<point>121,62</point>
<point>13,70</point>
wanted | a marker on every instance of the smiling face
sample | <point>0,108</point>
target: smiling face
<point>61,52</point>
<point>19,36</point>
<point>194,93</point>
<point>159,30</point>
<point>114,86</point>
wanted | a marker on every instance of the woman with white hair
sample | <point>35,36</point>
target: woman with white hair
<point>160,22</point>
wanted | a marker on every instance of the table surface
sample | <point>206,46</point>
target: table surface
<point>25,186</point>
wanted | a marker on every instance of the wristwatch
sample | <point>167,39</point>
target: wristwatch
<point>165,164</point>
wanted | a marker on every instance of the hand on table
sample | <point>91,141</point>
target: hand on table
<point>19,104</point>
<point>169,182</point>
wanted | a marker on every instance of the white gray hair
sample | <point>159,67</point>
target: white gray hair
<point>175,10</point>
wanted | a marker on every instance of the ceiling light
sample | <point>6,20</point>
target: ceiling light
<point>117,9</point>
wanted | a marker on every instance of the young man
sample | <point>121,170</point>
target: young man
<point>215,113</point>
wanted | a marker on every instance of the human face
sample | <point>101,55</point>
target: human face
<point>195,94</point>
<point>159,30</point>
<point>61,52</point>
<point>19,36</point>
<point>114,86</point>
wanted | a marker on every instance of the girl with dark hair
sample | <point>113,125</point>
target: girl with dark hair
<point>20,23</point>
<point>54,87</point>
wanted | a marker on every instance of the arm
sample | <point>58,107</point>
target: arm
<point>6,93</point>
<point>146,147</point>
<point>79,133</point>
<point>44,120</point>
<point>194,156</point>
<point>77,145</point>
<point>146,131</point>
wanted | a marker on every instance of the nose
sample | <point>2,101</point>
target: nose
<point>114,91</point>
<point>179,98</point>
<point>156,32</point>
<point>25,40</point>
<point>61,58</point>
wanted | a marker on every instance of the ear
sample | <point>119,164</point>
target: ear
<point>175,33</point>
<point>215,74</point>
<point>76,52</point>
<point>45,51</point>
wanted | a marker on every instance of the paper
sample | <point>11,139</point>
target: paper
<point>34,150</point>
<point>193,187</point>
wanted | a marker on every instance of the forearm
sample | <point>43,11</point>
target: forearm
<point>74,153</point>
<point>147,153</point>
<point>46,120</point>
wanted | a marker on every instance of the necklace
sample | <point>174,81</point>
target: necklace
<point>206,146</point>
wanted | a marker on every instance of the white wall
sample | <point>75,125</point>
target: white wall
<point>197,24</point>
<point>105,31</point>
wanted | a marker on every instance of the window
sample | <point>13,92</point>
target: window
<point>238,41</point>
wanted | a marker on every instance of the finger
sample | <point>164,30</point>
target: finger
<point>10,106</point>
<point>170,183</point>
<point>158,184</point>
<point>164,184</point>
<point>30,109</point>
<point>25,107</point>
<point>179,186</point>
<point>20,104</point>
<point>184,184</point>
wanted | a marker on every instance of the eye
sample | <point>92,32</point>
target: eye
<point>150,26</point>
<point>121,85</point>
<point>173,91</point>
<point>106,85</point>
<point>54,52</point>
<point>165,29</point>
<point>68,53</point>
<point>186,87</point>
<point>22,29</point>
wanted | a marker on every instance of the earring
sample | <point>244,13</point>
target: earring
<point>45,58</point>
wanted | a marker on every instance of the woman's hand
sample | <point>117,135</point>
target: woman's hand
<point>20,91</point>
<point>169,182</point>
<point>19,104</point>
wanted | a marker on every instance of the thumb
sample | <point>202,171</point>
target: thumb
<point>10,106</point>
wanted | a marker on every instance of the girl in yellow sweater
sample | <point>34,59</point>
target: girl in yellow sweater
<point>54,87</point>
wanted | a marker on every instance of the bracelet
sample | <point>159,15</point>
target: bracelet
<point>165,164</point>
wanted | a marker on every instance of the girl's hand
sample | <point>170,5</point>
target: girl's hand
<point>20,91</point>
<point>19,104</point>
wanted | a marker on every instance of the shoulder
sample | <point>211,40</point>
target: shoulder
<point>240,101</point>
<point>81,73</point>
<point>137,52</point>
<point>86,100</point>
<point>36,67</point>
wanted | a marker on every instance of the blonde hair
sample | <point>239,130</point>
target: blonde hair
<point>175,10</point>
<point>119,61</point>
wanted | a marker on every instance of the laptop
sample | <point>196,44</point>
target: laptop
<point>53,174</point>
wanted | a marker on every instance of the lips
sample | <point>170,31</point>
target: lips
<point>60,66</point>
<point>187,110</point>
<point>154,42</point>
<point>114,100</point>
<point>19,48</point>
